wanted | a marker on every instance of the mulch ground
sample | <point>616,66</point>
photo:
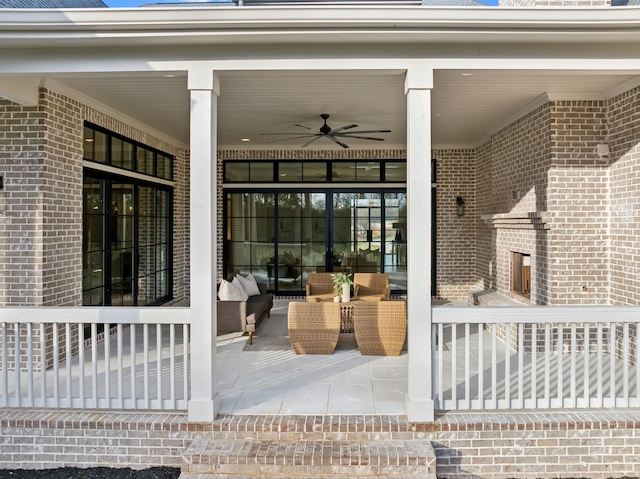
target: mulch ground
<point>92,473</point>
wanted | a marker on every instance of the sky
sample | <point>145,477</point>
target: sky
<point>137,3</point>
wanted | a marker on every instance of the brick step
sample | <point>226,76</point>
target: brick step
<point>205,459</point>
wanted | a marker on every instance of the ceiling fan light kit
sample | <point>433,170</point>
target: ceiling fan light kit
<point>325,131</point>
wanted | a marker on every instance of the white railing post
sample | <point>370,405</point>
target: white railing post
<point>204,86</point>
<point>420,401</point>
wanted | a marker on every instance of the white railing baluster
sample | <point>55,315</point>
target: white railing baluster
<point>172,364</point>
<point>547,365</point>
<point>637,356</point>
<point>587,366</point>
<point>612,364</point>
<point>481,397</point>
<point>43,366</point>
<point>107,364</point>
<point>454,366</point>
<point>534,365</point>
<point>56,361</point>
<point>521,368</point>
<point>467,366</point>
<point>185,361</point>
<point>507,367</point>
<point>599,366</point>
<point>441,366</point>
<point>625,361</point>
<point>159,363</point>
<point>560,369</point>
<point>573,396</point>
<point>133,366</point>
<point>120,353</point>
<point>16,372</point>
<point>94,366</point>
<point>30,365</point>
<point>494,369</point>
<point>81,371</point>
<point>68,363</point>
<point>145,345</point>
<point>4,394</point>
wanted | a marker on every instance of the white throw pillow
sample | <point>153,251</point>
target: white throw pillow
<point>249,284</point>
<point>229,292</point>
<point>236,282</point>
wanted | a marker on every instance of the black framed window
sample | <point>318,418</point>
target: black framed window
<point>315,171</point>
<point>108,148</point>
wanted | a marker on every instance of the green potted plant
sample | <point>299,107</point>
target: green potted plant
<point>343,284</point>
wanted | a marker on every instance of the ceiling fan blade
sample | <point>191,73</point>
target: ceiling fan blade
<point>348,135</point>
<point>292,138</point>
<point>337,141</point>
<point>311,141</point>
<point>302,126</point>
<point>370,131</point>
<point>342,128</point>
<point>290,133</point>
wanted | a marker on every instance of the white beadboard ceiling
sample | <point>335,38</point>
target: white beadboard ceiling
<point>465,108</point>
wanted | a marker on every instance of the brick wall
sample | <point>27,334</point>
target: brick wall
<point>456,235</point>
<point>624,137</point>
<point>512,195</point>
<point>578,196</point>
<point>22,132</point>
<point>62,201</point>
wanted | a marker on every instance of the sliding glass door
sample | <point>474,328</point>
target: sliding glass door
<point>282,236</point>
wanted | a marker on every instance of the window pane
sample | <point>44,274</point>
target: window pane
<point>100,147</point>
<point>314,171</point>
<point>88,143</point>
<point>290,171</point>
<point>116,152</point>
<point>236,171</point>
<point>127,155</point>
<point>168,170</point>
<point>261,171</point>
<point>395,171</point>
<point>343,171</point>
<point>368,171</point>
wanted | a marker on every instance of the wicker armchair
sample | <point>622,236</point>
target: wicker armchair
<point>314,328</point>
<point>371,286</point>
<point>320,287</point>
<point>380,327</point>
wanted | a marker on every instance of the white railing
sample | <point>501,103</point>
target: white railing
<point>537,357</point>
<point>60,358</point>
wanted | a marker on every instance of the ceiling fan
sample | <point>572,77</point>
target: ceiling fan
<point>325,131</point>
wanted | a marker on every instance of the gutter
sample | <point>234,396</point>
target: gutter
<point>33,27</point>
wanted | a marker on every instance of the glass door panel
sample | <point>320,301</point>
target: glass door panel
<point>395,233</point>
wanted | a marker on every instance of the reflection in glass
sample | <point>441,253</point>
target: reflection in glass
<point>395,171</point>
<point>290,171</point>
<point>236,171</point>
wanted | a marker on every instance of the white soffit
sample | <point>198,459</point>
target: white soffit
<point>466,109</point>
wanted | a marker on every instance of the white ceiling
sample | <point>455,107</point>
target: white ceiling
<point>466,109</point>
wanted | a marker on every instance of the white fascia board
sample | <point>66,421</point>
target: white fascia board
<point>290,23</point>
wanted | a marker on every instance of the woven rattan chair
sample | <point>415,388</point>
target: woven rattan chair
<point>380,327</point>
<point>314,328</point>
<point>371,286</point>
<point>320,287</point>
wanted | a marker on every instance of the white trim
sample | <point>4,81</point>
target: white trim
<point>535,314</point>
<point>91,165</point>
<point>97,315</point>
<point>623,87</point>
<point>62,89</point>
<point>525,110</point>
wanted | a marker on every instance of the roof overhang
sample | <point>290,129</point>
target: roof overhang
<point>316,24</point>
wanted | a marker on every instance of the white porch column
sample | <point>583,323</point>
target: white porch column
<point>204,86</point>
<point>418,84</point>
